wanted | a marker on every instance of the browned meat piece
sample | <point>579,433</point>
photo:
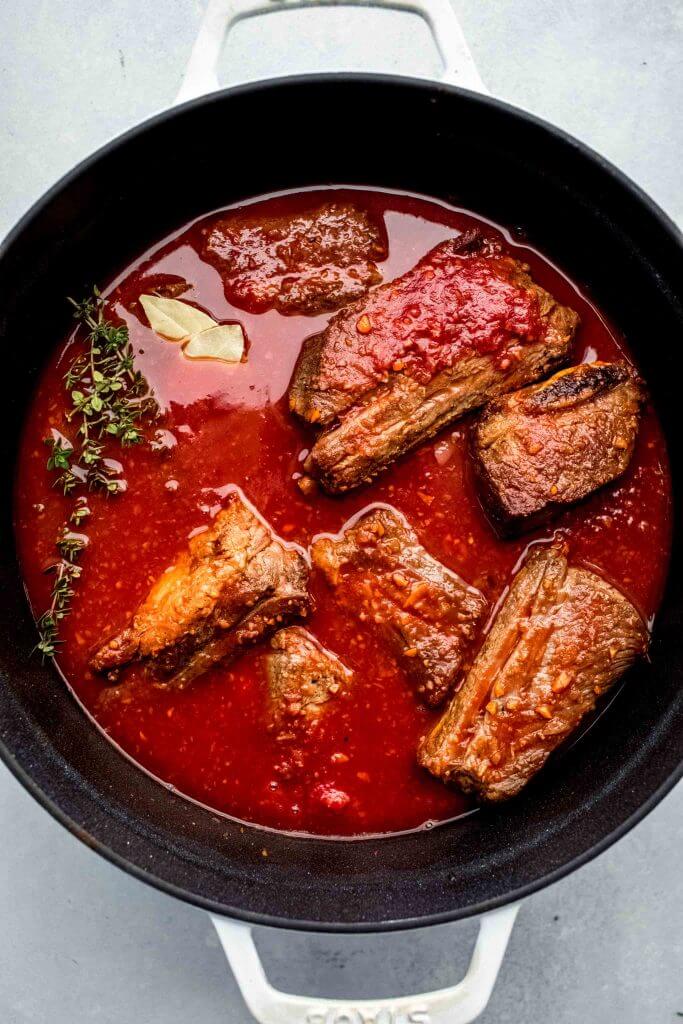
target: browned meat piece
<point>234,585</point>
<point>465,325</point>
<point>381,572</point>
<point>549,445</point>
<point>561,638</point>
<point>309,263</point>
<point>303,676</point>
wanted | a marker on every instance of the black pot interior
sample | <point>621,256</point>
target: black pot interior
<point>377,132</point>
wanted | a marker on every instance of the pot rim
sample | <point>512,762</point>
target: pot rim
<point>101,847</point>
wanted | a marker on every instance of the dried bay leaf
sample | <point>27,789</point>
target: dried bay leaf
<point>173,319</point>
<point>224,341</point>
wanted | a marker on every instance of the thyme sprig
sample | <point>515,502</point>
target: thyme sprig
<point>109,398</point>
<point>110,401</point>
<point>108,394</point>
<point>66,572</point>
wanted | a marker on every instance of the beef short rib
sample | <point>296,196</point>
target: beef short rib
<point>465,325</point>
<point>562,637</point>
<point>309,262</point>
<point>542,448</point>
<point>235,584</point>
<point>380,572</point>
<point>303,677</point>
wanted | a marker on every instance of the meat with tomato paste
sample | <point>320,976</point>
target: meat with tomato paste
<point>310,262</point>
<point>562,637</point>
<point>429,615</point>
<point>235,584</point>
<point>466,324</point>
<point>547,446</point>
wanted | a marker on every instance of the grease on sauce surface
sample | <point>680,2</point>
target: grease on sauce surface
<point>229,425</point>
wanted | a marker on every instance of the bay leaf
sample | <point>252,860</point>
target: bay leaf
<point>173,319</point>
<point>224,341</point>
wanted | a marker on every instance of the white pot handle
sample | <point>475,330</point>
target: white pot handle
<point>458,1004</point>
<point>221,15</point>
<point>463,1002</point>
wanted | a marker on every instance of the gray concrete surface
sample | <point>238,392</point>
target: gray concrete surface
<point>82,942</point>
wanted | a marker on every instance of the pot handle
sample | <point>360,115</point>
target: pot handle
<point>458,1004</point>
<point>221,15</point>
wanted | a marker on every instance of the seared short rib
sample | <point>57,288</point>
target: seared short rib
<point>380,572</point>
<point>465,325</point>
<point>562,637</point>
<point>552,444</point>
<point>309,262</point>
<point>303,677</point>
<point>235,584</point>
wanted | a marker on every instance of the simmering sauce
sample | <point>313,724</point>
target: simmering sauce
<point>223,425</point>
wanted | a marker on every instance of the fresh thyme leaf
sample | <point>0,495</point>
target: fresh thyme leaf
<point>110,401</point>
<point>71,544</point>
<point>80,512</point>
<point>61,452</point>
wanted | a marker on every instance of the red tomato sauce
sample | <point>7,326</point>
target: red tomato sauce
<point>426,325</point>
<point>223,425</point>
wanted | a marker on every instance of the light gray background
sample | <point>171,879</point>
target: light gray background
<point>81,941</point>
